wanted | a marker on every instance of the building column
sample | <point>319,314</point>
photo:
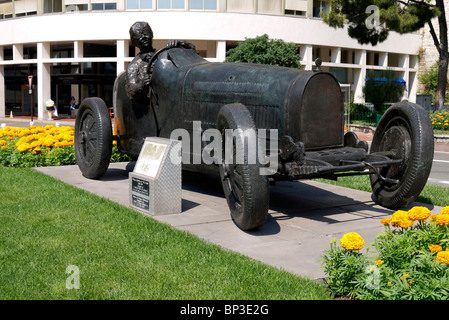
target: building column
<point>360,76</point>
<point>2,85</point>
<point>336,55</point>
<point>17,52</point>
<point>43,79</point>
<point>305,51</point>
<point>122,53</point>
<point>221,50</point>
<point>78,49</point>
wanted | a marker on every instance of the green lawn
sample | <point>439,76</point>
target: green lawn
<point>47,225</point>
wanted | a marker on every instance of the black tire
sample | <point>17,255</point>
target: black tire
<point>246,190</point>
<point>405,129</point>
<point>93,138</point>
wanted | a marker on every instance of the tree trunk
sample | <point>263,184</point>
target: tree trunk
<point>444,57</point>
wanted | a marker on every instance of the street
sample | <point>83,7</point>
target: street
<point>440,169</point>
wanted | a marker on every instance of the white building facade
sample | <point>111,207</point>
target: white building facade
<point>78,47</point>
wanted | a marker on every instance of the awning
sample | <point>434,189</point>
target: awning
<point>400,82</point>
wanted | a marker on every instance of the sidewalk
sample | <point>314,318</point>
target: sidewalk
<point>24,121</point>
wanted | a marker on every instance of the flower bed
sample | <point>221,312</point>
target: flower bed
<point>440,120</point>
<point>38,146</point>
<point>410,259</point>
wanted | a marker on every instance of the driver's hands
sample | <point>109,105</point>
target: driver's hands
<point>180,43</point>
<point>147,79</point>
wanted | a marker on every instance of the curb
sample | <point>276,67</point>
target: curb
<point>440,138</point>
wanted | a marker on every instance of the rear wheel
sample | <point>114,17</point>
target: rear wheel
<point>93,138</point>
<point>404,132</point>
<point>245,189</point>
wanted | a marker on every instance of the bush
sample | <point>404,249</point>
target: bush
<point>41,146</point>
<point>381,92</point>
<point>263,50</point>
<point>408,260</point>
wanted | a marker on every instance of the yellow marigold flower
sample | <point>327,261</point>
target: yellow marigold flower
<point>445,210</point>
<point>385,221</point>
<point>379,263</point>
<point>442,219</point>
<point>404,276</point>
<point>419,213</point>
<point>400,219</point>
<point>443,257</point>
<point>37,150</point>
<point>23,147</point>
<point>2,142</point>
<point>352,241</point>
<point>435,248</point>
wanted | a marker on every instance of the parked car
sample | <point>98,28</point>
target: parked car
<point>305,107</point>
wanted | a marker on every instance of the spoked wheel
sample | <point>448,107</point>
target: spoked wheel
<point>93,138</point>
<point>245,189</point>
<point>404,132</point>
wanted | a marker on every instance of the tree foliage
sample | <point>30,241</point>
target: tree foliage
<point>370,21</point>
<point>263,50</point>
<point>429,79</point>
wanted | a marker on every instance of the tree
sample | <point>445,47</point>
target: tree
<point>370,21</point>
<point>263,50</point>
<point>430,81</point>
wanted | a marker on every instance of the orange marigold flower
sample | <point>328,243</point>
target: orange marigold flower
<point>352,241</point>
<point>445,210</point>
<point>443,257</point>
<point>400,219</point>
<point>419,213</point>
<point>442,219</point>
<point>435,248</point>
<point>385,221</point>
<point>379,262</point>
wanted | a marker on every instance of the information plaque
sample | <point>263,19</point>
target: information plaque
<point>155,184</point>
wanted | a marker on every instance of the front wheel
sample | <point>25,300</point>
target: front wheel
<point>404,132</point>
<point>93,138</point>
<point>245,188</point>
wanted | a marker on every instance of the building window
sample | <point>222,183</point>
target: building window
<point>74,6</point>
<point>139,4</point>
<point>171,4</point>
<point>318,7</point>
<point>203,4</point>
<point>52,6</point>
<point>294,13</point>
<point>104,6</point>
<point>6,10</point>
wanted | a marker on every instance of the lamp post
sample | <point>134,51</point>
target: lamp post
<point>30,91</point>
